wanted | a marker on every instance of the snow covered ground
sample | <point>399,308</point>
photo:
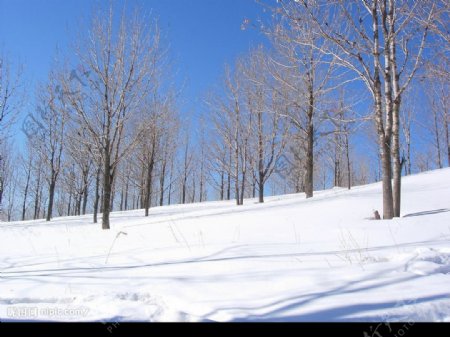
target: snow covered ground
<point>290,259</point>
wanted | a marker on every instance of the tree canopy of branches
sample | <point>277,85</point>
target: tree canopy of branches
<point>119,62</point>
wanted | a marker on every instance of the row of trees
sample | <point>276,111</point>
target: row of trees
<point>321,49</point>
<point>382,43</point>
<point>108,134</point>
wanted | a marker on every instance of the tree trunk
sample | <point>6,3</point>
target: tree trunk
<point>393,90</point>
<point>386,166</point>
<point>229,177</point>
<point>407,131</point>
<point>169,197</point>
<point>397,173</point>
<point>36,200</point>
<point>126,193</point>
<point>1,192</point>
<point>261,192</point>
<point>51,195</point>
<point>337,154</point>
<point>222,190</point>
<point>384,132</point>
<point>113,194</point>
<point>24,205</point>
<point>142,188</point>
<point>69,202</point>
<point>447,136</point>
<point>244,172</point>
<point>347,150</point>
<point>236,153</point>
<point>85,199</point>
<point>242,187</point>
<point>185,174</point>
<point>148,187</point>
<point>384,142</point>
<point>309,178</point>
<point>79,202</point>
<point>97,194</point>
<point>236,173</point>
<point>161,183</point>
<point>194,185</point>
<point>121,199</point>
<point>183,188</point>
<point>388,209</point>
<point>107,187</point>
<point>437,137</point>
<point>309,162</point>
<point>201,187</point>
<point>260,158</point>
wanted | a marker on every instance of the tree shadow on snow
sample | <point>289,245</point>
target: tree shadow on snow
<point>436,211</point>
<point>213,257</point>
<point>281,310</point>
<point>353,312</point>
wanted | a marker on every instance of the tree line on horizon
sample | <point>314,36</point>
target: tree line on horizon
<point>107,132</point>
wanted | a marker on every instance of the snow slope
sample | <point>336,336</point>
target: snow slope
<point>290,259</point>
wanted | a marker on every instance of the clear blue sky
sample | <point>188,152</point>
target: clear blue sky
<point>203,35</point>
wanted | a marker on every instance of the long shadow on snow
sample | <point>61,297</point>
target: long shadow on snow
<point>75,270</point>
<point>436,211</point>
<point>342,313</point>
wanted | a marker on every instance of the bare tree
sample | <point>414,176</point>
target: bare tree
<point>305,76</point>
<point>186,169</point>
<point>38,172</point>
<point>382,41</point>
<point>10,101</point>
<point>226,115</point>
<point>267,109</point>
<point>10,95</point>
<point>250,133</point>
<point>406,119</point>
<point>118,64</point>
<point>84,157</point>
<point>168,151</point>
<point>9,180</point>
<point>6,174</point>
<point>437,87</point>
<point>50,141</point>
<point>97,190</point>
<point>27,168</point>
<point>150,148</point>
<point>216,169</point>
<point>342,123</point>
<point>202,162</point>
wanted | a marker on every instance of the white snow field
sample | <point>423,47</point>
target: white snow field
<point>289,259</point>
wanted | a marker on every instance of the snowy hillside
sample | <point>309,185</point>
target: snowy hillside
<point>290,259</point>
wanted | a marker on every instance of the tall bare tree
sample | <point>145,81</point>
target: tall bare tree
<point>226,117</point>
<point>118,65</point>
<point>382,41</point>
<point>305,76</point>
<point>50,141</point>
<point>267,109</point>
<point>437,87</point>
<point>10,100</point>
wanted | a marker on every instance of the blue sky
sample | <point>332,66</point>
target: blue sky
<point>203,35</point>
